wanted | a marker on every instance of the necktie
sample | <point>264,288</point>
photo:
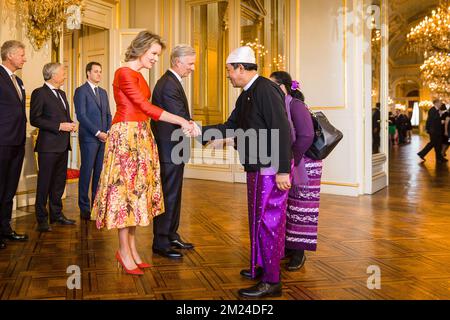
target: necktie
<point>16,85</point>
<point>60,98</point>
<point>97,98</point>
<point>97,95</point>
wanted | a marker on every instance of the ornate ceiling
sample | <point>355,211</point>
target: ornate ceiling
<point>403,15</point>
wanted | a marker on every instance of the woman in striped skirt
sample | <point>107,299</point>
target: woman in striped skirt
<point>304,196</point>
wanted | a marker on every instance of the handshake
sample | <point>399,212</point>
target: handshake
<point>191,129</point>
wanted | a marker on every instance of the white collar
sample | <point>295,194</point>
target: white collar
<point>176,74</point>
<point>249,84</point>
<point>50,86</point>
<point>93,86</point>
<point>10,73</point>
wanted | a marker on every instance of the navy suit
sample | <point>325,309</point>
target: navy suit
<point>169,95</point>
<point>12,144</point>
<point>94,115</point>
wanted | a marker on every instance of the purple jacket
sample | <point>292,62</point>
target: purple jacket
<point>302,133</point>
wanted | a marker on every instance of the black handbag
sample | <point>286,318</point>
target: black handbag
<point>326,137</point>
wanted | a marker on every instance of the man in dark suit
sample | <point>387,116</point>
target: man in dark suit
<point>50,113</point>
<point>434,128</point>
<point>376,139</point>
<point>93,113</point>
<point>12,134</point>
<point>169,95</point>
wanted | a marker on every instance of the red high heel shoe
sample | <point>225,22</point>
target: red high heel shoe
<point>136,271</point>
<point>143,265</point>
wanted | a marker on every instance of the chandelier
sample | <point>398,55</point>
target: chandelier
<point>44,19</point>
<point>431,37</point>
<point>278,63</point>
<point>432,34</point>
<point>435,73</point>
<point>258,48</point>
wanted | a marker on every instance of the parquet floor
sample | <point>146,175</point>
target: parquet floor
<point>404,230</point>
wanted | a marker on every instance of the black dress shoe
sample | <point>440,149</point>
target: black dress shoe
<point>2,244</point>
<point>287,253</point>
<point>85,215</point>
<point>62,220</point>
<point>247,274</point>
<point>296,262</point>
<point>43,227</point>
<point>262,289</point>
<point>13,236</point>
<point>181,245</point>
<point>168,253</point>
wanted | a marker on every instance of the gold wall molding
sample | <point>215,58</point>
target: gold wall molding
<point>340,184</point>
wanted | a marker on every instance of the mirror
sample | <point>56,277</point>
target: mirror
<point>210,40</point>
<point>375,48</point>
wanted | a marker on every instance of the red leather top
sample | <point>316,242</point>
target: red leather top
<point>132,94</point>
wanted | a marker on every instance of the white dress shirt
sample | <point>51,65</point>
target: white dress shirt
<point>60,98</point>
<point>176,75</point>
<point>249,84</point>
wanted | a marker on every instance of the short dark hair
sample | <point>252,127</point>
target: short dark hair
<point>282,77</point>
<point>247,66</point>
<point>90,65</point>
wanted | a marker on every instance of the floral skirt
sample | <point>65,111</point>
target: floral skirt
<point>129,192</point>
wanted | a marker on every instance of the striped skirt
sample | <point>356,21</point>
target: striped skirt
<point>303,209</point>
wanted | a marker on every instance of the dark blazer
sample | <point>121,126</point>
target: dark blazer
<point>169,95</point>
<point>433,124</point>
<point>91,116</point>
<point>13,119</point>
<point>47,113</point>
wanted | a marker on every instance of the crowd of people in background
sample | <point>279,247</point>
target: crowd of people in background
<point>400,128</point>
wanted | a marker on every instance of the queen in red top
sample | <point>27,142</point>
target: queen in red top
<point>129,193</point>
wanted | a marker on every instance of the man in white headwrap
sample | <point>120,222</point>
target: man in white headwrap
<point>260,113</point>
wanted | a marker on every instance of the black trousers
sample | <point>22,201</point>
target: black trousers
<point>11,160</point>
<point>165,226</point>
<point>436,143</point>
<point>51,183</point>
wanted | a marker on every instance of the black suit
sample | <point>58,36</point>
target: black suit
<point>47,113</point>
<point>169,95</point>
<point>12,144</point>
<point>434,129</point>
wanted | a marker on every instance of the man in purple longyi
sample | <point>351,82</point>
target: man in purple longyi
<point>261,129</point>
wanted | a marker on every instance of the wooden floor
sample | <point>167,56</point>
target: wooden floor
<point>404,230</point>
